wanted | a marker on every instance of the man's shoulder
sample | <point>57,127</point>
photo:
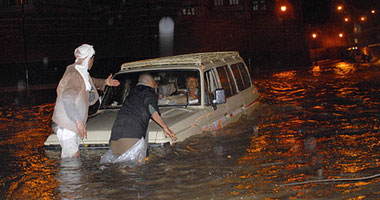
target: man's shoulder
<point>70,69</point>
<point>145,90</point>
<point>71,74</point>
<point>149,90</point>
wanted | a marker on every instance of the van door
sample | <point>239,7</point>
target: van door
<point>233,100</point>
<point>216,118</point>
<point>246,88</point>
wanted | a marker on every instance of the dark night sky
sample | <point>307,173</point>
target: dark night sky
<point>319,11</point>
<point>316,11</point>
<point>364,4</point>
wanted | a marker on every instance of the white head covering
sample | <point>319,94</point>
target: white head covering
<point>83,54</point>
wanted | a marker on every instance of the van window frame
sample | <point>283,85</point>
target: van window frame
<point>103,105</point>
<point>247,74</point>
<point>232,84</point>
<point>207,89</point>
<point>244,76</point>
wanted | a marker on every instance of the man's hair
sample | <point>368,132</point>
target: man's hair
<point>145,78</point>
<point>191,77</point>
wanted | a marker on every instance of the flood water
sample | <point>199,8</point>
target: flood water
<point>316,124</point>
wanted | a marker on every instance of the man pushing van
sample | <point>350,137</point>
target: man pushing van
<point>132,120</point>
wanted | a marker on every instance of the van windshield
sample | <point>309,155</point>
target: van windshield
<point>175,88</point>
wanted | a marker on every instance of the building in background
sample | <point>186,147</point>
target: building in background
<point>350,24</point>
<point>268,33</point>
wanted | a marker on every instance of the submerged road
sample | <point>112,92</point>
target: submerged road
<point>315,135</point>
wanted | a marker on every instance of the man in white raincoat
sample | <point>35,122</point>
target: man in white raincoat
<point>76,91</point>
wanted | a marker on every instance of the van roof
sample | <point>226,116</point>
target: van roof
<point>198,59</point>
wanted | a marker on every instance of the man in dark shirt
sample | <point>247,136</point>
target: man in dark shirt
<point>133,118</point>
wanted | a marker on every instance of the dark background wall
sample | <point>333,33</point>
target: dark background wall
<point>41,35</point>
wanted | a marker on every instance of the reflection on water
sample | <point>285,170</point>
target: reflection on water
<point>26,172</point>
<point>315,124</point>
<point>344,69</point>
<point>71,178</point>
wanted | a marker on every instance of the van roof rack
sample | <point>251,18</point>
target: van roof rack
<point>193,58</point>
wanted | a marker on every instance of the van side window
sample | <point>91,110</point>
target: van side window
<point>232,81</point>
<point>237,75</point>
<point>241,76</point>
<point>226,80</point>
<point>210,84</point>
<point>245,75</point>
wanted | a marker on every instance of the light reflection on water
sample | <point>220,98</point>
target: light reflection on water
<point>313,124</point>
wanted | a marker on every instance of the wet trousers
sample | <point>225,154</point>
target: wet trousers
<point>69,142</point>
<point>121,145</point>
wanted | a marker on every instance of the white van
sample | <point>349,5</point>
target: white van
<point>225,93</point>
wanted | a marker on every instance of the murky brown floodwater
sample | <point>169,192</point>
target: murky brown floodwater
<point>315,124</point>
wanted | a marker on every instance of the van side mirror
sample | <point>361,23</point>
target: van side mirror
<point>219,97</point>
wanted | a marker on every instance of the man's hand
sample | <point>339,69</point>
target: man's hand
<point>193,95</point>
<point>167,132</point>
<point>170,133</point>
<point>112,82</point>
<point>81,129</point>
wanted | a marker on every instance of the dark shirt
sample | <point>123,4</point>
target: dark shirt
<point>133,118</point>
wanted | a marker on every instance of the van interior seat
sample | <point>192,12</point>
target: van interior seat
<point>167,89</point>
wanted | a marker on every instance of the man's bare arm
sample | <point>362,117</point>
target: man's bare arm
<point>157,118</point>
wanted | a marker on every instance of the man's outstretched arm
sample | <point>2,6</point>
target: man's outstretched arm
<point>157,118</point>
